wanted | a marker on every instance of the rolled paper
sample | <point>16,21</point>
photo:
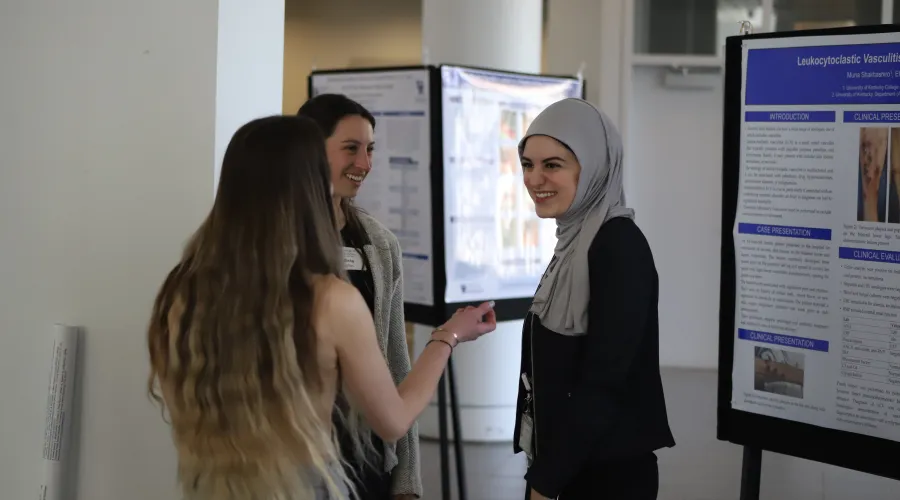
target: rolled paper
<point>58,417</point>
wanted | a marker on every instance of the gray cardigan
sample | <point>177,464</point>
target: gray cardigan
<point>402,458</point>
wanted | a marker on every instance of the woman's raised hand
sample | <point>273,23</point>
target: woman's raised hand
<point>471,322</point>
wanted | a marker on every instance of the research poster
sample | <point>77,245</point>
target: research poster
<point>496,247</point>
<point>817,233</point>
<point>397,191</point>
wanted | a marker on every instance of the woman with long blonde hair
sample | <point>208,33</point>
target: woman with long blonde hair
<point>255,329</point>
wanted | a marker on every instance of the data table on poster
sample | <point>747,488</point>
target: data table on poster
<point>817,233</point>
<point>871,349</point>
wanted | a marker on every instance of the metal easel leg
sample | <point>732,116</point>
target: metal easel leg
<point>443,438</point>
<point>457,435</point>
<point>751,473</point>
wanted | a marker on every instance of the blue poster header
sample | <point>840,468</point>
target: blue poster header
<point>789,116</point>
<point>809,233</point>
<point>831,75</point>
<point>871,116</point>
<point>783,340</point>
<point>887,256</point>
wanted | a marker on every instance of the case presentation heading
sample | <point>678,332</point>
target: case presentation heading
<point>842,60</point>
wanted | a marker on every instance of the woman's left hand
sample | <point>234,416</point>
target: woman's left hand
<point>537,496</point>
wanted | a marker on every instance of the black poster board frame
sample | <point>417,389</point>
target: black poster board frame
<point>754,431</point>
<point>506,309</point>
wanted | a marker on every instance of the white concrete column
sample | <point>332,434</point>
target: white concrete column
<point>113,118</point>
<point>496,34</point>
<point>504,35</point>
<point>572,39</point>
<point>249,66</point>
<point>590,32</point>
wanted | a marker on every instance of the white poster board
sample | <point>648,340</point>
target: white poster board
<point>817,233</point>
<point>496,247</point>
<point>398,190</point>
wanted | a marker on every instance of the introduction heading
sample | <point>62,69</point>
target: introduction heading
<point>825,61</point>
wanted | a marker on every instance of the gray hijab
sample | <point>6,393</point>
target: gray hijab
<point>561,301</point>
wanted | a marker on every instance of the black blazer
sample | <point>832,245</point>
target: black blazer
<point>598,397</point>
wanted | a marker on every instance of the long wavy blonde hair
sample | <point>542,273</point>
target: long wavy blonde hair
<point>232,346</point>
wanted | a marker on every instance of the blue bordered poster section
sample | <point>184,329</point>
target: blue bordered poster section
<point>817,233</point>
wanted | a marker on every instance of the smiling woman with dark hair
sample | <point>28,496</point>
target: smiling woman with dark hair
<point>373,260</point>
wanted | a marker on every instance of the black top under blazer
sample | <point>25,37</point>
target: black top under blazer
<point>598,397</point>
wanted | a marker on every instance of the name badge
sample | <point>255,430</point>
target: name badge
<point>352,259</point>
<point>526,436</point>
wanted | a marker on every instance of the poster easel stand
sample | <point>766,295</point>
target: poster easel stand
<point>751,473</point>
<point>751,468</point>
<point>449,378</point>
<point>756,431</point>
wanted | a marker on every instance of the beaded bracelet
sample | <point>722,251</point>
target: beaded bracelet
<point>439,340</point>
<point>441,329</point>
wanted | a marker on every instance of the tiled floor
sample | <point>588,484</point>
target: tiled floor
<point>699,467</point>
<point>494,473</point>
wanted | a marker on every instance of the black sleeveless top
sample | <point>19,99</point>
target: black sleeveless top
<point>361,279</point>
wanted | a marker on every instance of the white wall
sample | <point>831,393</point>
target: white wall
<point>672,182</point>
<point>108,121</point>
<point>673,155</point>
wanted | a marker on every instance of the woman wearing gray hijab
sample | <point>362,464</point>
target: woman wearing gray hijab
<point>591,410</point>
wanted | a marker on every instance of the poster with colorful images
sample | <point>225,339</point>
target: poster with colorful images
<point>817,233</point>
<point>496,246</point>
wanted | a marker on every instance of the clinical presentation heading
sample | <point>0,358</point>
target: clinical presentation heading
<point>840,60</point>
